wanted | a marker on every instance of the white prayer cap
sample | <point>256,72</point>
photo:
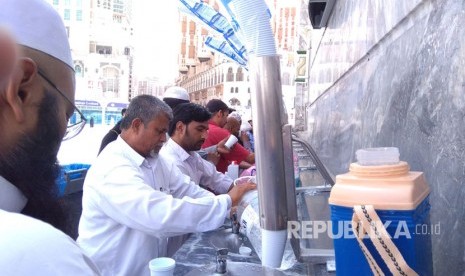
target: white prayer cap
<point>235,115</point>
<point>176,92</point>
<point>35,24</point>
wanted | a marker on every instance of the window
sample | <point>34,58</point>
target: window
<point>56,2</point>
<point>110,80</point>
<point>67,3</point>
<point>78,70</point>
<point>237,90</point>
<point>79,15</point>
<point>232,90</point>
<point>67,14</point>
<point>230,75</point>
<point>240,75</point>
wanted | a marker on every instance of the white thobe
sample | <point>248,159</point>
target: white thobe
<point>32,247</point>
<point>132,204</point>
<point>198,169</point>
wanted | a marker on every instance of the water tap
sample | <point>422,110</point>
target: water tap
<point>221,255</point>
<point>235,225</point>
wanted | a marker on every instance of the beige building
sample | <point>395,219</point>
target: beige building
<point>100,33</point>
<point>208,75</point>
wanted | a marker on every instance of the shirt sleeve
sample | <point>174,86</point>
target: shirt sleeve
<point>32,247</point>
<point>162,206</point>
<point>214,180</point>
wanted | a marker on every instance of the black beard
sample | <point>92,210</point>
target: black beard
<point>32,166</point>
<point>190,147</point>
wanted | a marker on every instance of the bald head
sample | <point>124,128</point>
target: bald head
<point>232,125</point>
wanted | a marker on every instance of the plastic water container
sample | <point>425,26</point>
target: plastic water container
<point>233,169</point>
<point>401,200</point>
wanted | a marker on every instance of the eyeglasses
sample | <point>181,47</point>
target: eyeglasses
<point>74,127</point>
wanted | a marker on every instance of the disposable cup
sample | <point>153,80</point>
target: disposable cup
<point>162,266</point>
<point>231,141</point>
<point>245,179</point>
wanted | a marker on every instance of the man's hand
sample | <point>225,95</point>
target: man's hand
<point>238,191</point>
<point>221,148</point>
<point>213,157</point>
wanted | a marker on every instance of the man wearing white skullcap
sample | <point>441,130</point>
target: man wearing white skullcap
<point>37,89</point>
<point>175,95</point>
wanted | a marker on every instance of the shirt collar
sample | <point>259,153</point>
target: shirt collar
<point>211,122</point>
<point>183,154</point>
<point>11,198</point>
<point>132,154</point>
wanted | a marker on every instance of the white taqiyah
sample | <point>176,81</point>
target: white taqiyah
<point>176,92</point>
<point>36,24</point>
<point>235,115</point>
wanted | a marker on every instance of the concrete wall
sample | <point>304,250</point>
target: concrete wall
<point>392,73</point>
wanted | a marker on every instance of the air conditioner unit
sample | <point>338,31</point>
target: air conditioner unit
<point>319,12</point>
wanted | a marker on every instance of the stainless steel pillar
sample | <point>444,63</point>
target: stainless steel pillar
<point>269,117</point>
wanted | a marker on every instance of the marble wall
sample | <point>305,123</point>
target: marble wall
<point>392,73</point>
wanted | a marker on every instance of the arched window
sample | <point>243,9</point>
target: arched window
<point>234,102</point>
<point>237,90</point>
<point>78,70</point>
<point>232,90</point>
<point>230,75</point>
<point>240,75</point>
<point>110,79</point>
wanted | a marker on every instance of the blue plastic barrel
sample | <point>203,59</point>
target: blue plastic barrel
<point>74,171</point>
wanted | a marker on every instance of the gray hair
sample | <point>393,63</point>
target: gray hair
<point>146,108</point>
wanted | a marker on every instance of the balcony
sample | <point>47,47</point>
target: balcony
<point>183,69</point>
<point>203,56</point>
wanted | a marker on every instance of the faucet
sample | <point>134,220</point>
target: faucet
<point>235,225</point>
<point>221,255</point>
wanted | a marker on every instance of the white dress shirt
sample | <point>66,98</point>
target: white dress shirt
<point>132,204</point>
<point>198,169</point>
<point>32,247</point>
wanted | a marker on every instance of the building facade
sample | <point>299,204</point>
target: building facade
<point>207,75</point>
<point>100,34</point>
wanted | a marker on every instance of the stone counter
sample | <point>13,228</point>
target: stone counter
<point>198,252</point>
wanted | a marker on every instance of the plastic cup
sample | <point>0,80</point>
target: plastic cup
<point>245,179</point>
<point>378,156</point>
<point>231,141</point>
<point>162,266</point>
<point>244,250</point>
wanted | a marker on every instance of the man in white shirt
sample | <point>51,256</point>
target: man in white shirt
<point>37,89</point>
<point>188,131</point>
<point>134,199</point>
<point>176,95</point>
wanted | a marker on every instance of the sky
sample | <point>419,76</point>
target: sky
<point>157,38</point>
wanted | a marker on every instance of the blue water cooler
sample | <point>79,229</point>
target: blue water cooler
<point>399,198</point>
